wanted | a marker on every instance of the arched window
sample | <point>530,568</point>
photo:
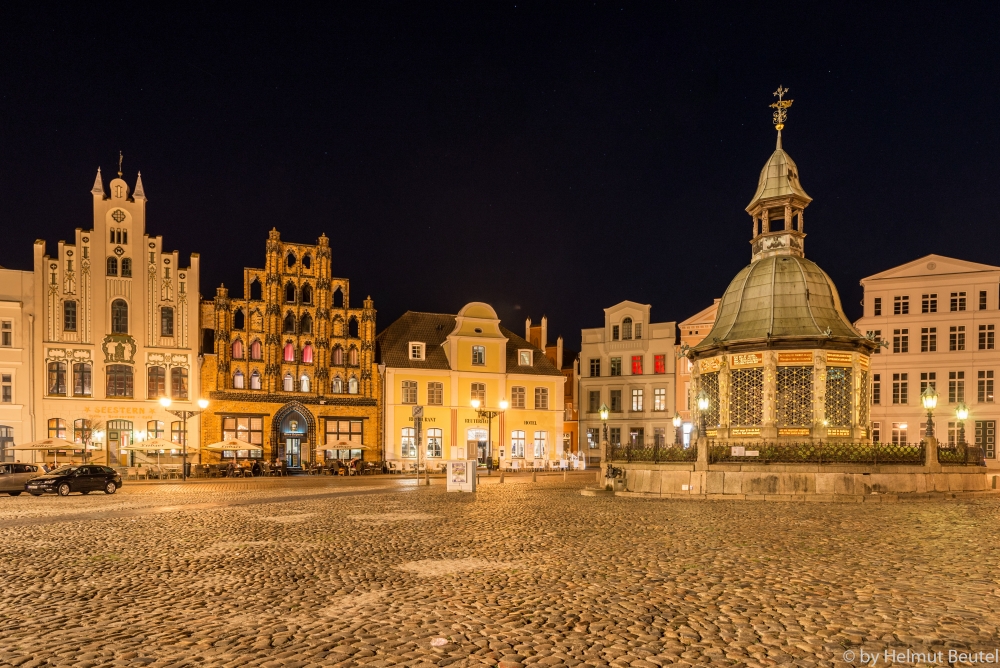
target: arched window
<point>255,290</point>
<point>112,266</point>
<point>119,380</point>
<point>626,329</point>
<point>69,315</point>
<point>352,385</point>
<point>57,428</point>
<point>352,356</point>
<point>255,380</point>
<point>237,349</point>
<point>119,317</point>
<point>156,382</point>
<point>290,293</point>
<point>289,383</point>
<point>255,349</point>
<point>338,298</point>
<point>338,385</point>
<point>304,383</point>
<point>289,352</point>
<point>179,382</point>
<point>239,319</point>
<point>306,324</point>
<point>338,355</point>
<point>307,294</point>
<point>238,380</point>
<point>126,267</point>
<point>57,378</point>
<point>290,260</point>
<point>289,327</point>
<point>167,321</point>
<point>307,354</point>
<point>352,327</point>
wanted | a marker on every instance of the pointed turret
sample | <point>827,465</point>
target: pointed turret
<point>139,193</point>
<point>98,188</point>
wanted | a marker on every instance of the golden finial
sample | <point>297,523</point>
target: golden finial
<point>780,108</point>
<point>120,160</point>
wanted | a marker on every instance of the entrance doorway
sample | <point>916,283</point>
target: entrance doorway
<point>478,438</point>
<point>293,434</point>
<point>293,452</point>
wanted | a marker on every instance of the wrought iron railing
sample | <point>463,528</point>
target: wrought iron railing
<point>653,453</point>
<point>816,453</point>
<point>962,455</point>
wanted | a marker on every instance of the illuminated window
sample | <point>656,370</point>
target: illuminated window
<point>338,355</point>
<point>478,355</point>
<point>289,355</point>
<point>636,400</point>
<point>524,358</point>
<point>255,349</point>
<point>541,438</point>
<point>57,428</point>
<point>156,382</point>
<point>434,445</point>
<point>659,399</point>
<point>660,364</point>
<point>636,365</point>
<point>119,380</point>
<point>177,433</point>
<point>307,354</point>
<point>57,378</point>
<point>985,380</point>
<point>288,383</point>
<point>69,315</point>
<point>237,349</point>
<point>154,429</point>
<point>517,444</point>
<point>255,380</point>
<point>238,380</point>
<point>352,385</point>
<point>541,399</point>
<point>352,356</point>
<point>82,380</point>
<point>408,442</point>
<point>899,433</point>
<point>304,383</point>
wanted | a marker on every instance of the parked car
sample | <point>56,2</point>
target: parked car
<point>13,477</point>
<point>83,479</point>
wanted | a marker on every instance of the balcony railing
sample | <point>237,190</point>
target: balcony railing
<point>816,453</point>
<point>654,453</point>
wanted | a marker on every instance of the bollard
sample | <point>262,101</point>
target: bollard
<point>534,476</point>
<point>599,481</point>
<point>501,476</point>
<point>564,475</point>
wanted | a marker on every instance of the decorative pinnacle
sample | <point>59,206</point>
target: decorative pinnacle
<point>780,108</point>
<point>120,160</point>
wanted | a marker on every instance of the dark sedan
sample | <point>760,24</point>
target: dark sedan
<point>83,479</point>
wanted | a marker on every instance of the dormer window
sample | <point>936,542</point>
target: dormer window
<point>478,355</point>
<point>626,329</point>
<point>524,358</point>
<point>417,350</point>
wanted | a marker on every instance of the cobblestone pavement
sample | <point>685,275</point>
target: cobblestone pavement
<point>522,573</point>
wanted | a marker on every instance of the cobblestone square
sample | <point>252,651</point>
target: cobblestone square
<point>381,571</point>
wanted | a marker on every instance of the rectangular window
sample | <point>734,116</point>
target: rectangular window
<point>167,321</point>
<point>659,436</point>
<point>408,442</point>
<point>434,442</point>
<point>6,333</point>
<point>899,433</point>
<point>478,391</point>
<point>540,442</point>
<point>616,366</point>
<point>636,365</point>
<point>517,444</point>
<point>877,388</point>
<point>409,392</point>
<point>595,367</point>
<point>956,386</point>
<point>416,351</point>
<point>593,438</point>
<point>638,330</point>
<point>928,339</point>
<point>156,382</point>
<point>615,436</point>
<point>952,434</point>
<point>636,400</point>
<point>878,306</point>
<point>956,338</point>
<point>517,397</point>
<point>57,378</point>
<point>614,332</point>
<point>900,340</point>
<point>435,394</point>
<point>985,388</point>
<point>177,433</point>
<point>82,384</point>
<point>351,431</point>
<point>876,432</point>
<point>541,399</point>
<point>179,382</point>
<point>69,315</point>
<point>120,380</point>
<point>616,401</point>
<point>659,399</point>
<point>901,305</point>
<point>524,358</point>
<point>958,301</point>
<point>6,388</point>
<point>982,300</point>
<point>899,388</point>
<point>986,334</point>
<point>928,303</point>
<point>928,379</point>
<point>594,401</point>
<point>478,355</point>
<point>57,428</point>
<point>660,364</point>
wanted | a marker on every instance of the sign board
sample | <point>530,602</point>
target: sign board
<point>418,411</point>
<point>838,431</point>
<point>839,359</point>
<point>462,475</point>
<point>795,358</point>
<point>709,365</point>
<point>746,359</point>
<point>744,431</point>
<point>793,431</point>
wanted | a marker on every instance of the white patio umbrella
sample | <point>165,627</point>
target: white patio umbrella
<point>50,444</point>
<point>233,444</point>
<point>152,444</point>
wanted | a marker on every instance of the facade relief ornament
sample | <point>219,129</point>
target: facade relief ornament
<point>119,348</point>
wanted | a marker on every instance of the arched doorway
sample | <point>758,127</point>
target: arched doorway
<point>294,435</point>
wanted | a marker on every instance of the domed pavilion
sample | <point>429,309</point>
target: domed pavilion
<point>782,362</point>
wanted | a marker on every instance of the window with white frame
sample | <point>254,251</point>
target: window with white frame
<point>435,394</point>
<point>417,349</point>
<point>637,399</point>
<point>659,399</point>
<point>540,443</point>
<point>541,399</point>
<point>408,442</point>
<point>952,434</point>
<point>409,391</point>
<point>517,397</point>
<point>477,392</point>
<point>524,357</point>
<point>517,444</point>
<point>434,439</point>
<point>479,355</point>
<point>899,433</point>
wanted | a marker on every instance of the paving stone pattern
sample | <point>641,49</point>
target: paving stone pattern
<point>521,573</point>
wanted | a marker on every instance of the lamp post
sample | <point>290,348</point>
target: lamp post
<point>677,425</point>
<point>703,404</point>
<point>184,415</point>
<point>929,399</point>
<point>961,414</point>
<point>489,415</point>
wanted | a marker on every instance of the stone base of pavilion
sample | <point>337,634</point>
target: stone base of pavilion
<point>803,482</point>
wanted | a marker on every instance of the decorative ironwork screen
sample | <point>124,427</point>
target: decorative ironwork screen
<point>746,398</point>
<point>864,401</point>
<point>795,396</point>
<point>710,384</point>
<point>838,397</point>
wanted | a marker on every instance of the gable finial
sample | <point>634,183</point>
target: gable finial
<point>119,164</point>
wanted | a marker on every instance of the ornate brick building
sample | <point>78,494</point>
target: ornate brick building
<point>292,370</point>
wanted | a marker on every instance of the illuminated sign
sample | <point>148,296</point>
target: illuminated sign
<point>838,432</point>
<point>793,431</point>
<point>711,364</point>
<point>795,358</point>
<point>711,432</point>
<point>746,359</point>
<point>744,431</point>
<point>839,359</point>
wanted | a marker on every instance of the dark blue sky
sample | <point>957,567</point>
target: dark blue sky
<point>545,158</point>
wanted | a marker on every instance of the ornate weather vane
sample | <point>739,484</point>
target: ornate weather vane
<point>780,108</point>
<point>120,159</point>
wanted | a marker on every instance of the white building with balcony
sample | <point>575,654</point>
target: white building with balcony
<point>628,364</point>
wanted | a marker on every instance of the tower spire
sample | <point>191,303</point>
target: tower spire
<point>139,192</point>
<point>98,188</point>
<point>780,111</point>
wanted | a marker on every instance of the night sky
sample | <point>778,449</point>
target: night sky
<point>547,159</point>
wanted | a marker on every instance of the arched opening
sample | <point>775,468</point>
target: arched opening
<point>288,383</point>
<point>290,292</point>
<point>338,385</point>
<point>352,356</point>
<point>307,354</point>
<point>352,327</point>
<point>626,329</point>
<point>352,385</point>
<point>239,319</point>
<point>295,430</point>
<point>290,260</point>
<point>255,290</point>
<point>289,327</point>
<point>307,261</point>
<point>119,317</point>
<point>289,355</point>
<point>255,380</point>
<point>338,298</point>
<point>238,380</point>
<point>112,266</point>
<point>306,324</point>
<point>338,355</point>
<point>255,349</point>
<point>237,349</point>
<point>307,294</point>
<point>304,383</point>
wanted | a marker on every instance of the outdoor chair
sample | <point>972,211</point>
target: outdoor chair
<point>132,473</point>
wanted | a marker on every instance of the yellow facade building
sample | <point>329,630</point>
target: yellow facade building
<point>293,370</point>
<point>442,364</point>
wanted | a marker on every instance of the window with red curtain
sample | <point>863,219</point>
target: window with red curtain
<point>660,364</point>
<point>237,349</point>
<point>289,352</point>
<point>637,365</point>
<point>307,355</point>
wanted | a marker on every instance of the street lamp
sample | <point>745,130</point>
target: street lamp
<point>929,398</point>
<point>677,425</point>
<point>184,415</point>
<point>489,415</point>
<point>703,403</point>
<point>961,414</point>
<point>604,418</point>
